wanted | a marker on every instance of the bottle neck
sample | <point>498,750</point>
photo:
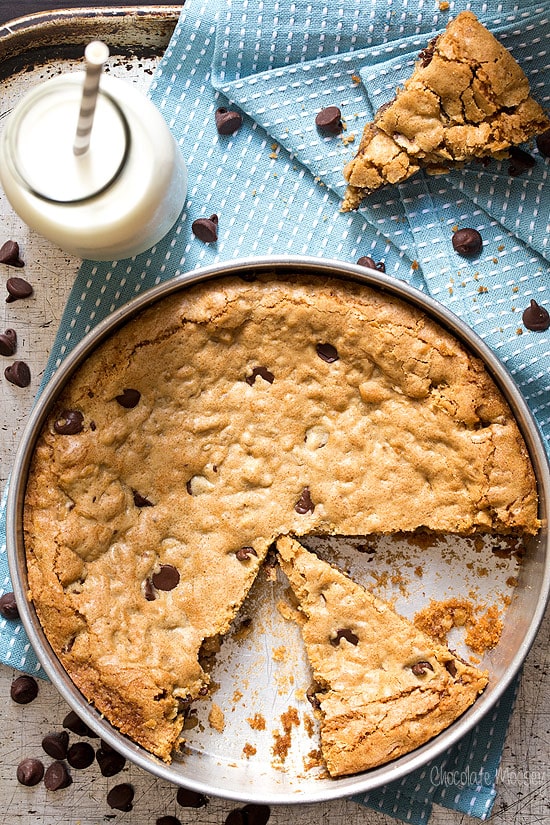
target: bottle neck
<point>42,129</point>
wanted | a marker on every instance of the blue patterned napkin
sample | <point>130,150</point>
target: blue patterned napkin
<point>276,186</point>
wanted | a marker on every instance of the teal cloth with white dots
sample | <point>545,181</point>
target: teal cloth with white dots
<point>277,184</point>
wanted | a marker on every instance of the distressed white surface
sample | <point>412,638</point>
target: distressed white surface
<point>524,782</point>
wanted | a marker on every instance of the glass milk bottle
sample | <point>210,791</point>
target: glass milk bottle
<point>113,199</point>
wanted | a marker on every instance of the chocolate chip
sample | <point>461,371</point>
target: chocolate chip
<point>8,342</point>
<point>256,814</point>
<point>520,161</point>
<point>168,820</point>
<point>235,817</point>
<point>69,422</point>
<point>74,723</point>
<point>366,260</point>
<point>327,352</point>
<point>57,777</point>
<point>128,398</point>
<point>8,606</point>
<point>18,288</point>
<point>535,317</point>
<point>543,143</point>
<point>121,797</point>
<point>244,553</point>
<point>467,242</point>
<point>426,55</point>
<point>18,374</point>
<point>263,372</point>
<point>80,755</point>
<point>110,762</point>
<point>141,501</point>
<point>30,772</point>
<point>420,668</point>
<point>24,689</point>
<point>149,590</point>
<point>227,121</point>
<point>9,254</point>
<point>206,229</point>
<point>304,504</point>
<point>166,578</point>
<point>329,120</point>
<point>56,744</point>
<point>190,799</point>
<point>347,634</point>
<point>311,696</point>
<point>450,667</point>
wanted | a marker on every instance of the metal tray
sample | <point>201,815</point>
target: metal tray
<point>264,672</point>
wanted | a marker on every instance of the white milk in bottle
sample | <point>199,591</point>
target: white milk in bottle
<point>116,199</point>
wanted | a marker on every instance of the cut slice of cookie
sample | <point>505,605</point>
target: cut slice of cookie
<point>467,98</point>
<point>383,687</point>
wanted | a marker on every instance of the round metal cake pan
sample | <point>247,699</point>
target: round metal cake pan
<point>242,780</point>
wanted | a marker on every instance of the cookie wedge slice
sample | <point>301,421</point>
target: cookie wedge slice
<point>466,99</point>
<point>383,687</point>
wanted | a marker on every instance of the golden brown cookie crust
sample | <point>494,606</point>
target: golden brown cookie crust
<point>385,688</point>
<point>217,459</point>
<point>467,98</point>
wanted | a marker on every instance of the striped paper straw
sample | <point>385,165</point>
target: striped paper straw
<point>95,54</point>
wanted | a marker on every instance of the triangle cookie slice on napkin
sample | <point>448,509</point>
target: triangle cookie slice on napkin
<point>466,99</point>
<point>383,687</point>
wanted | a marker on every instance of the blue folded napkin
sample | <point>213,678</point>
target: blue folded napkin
<point>276,186</point>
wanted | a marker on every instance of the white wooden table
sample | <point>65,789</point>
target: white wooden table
<point>524,780</point>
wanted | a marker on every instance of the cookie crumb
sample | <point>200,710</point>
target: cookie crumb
<point>216,718</point>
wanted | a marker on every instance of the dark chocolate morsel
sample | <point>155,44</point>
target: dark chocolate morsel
<point>467,242</point>
<point>520,161</point>
<point>8,342</point>
<point>420,668</point>
<point>329,120</point>
<point>263,372</point>
<point>149,590</point>
<point>206,229</point>
<point>24,689</point>
<point>128,398</point>
<point>244,553</point>
<point>304,504</point>
<point>327,352</point>
<point>9,254</point>
<point>18,288</point>
<point>166,578</point>
<point>535,317</point>
<point>74,723</point>
<point>57,777</point>
<point>56,744</point>
<point>30,772</point>
<point>543,143</point>
<point>141,501</point>
<point>80,755</point>
<point>110,762</point>
<point>366,260</point>
<point>235,817</point>
<point>8,606</point>
<point>69,422</point>
<point>121,797</point>
<point>190,799</point>
<point>256,814</point>
<point>18,374</point>
<point>347,634</point>
<point>227,121</point>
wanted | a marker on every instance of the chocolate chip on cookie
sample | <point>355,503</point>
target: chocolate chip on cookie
<point>327,352</point>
